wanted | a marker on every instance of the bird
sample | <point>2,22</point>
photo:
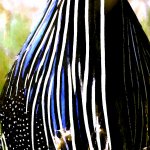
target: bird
<point>80,81</point>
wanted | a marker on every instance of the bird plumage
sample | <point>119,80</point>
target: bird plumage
<point>52,98</point>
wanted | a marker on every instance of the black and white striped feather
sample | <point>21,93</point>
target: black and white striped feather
<point>81,81</point>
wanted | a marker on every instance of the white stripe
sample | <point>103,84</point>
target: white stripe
<point>25,81</point>
<point>43,93</point>
<point>42,21</point>
<point>49,111</point>
<point>60,64</point>
<point>45,54</point>
<point>10,90</point>
<point>28,48</point>
<point>34,104</point>
<point>86,74</point>
<point>50,69</point>
<point>71,109</point>
<point>55,46</point>
<point>107,145</point>
<point>103,69</point>
<point>33,110</point>
<point>39,49</point>
<point>79,73</point>
<point>98,134</point>
<point>93,104</point>
<point>28,94</point>
<point>75,44</point>
<point>95,118</point>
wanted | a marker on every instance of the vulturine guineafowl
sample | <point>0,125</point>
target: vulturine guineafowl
<point>81,81</point>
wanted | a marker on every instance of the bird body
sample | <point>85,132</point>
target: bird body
<point>54,95</point>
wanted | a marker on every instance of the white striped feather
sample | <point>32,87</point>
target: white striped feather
<point>53,52</point>
<point>60,64</point>
<point>51,26</point>
<point>86,74</point>
<point>33,110</point>
<point>48,110</point>
<point>71,109</point>
<point>75,44</point>
<point>95,117</point>
<point>43,92</point>
<point>103,69</point>
<point>33,38</point>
